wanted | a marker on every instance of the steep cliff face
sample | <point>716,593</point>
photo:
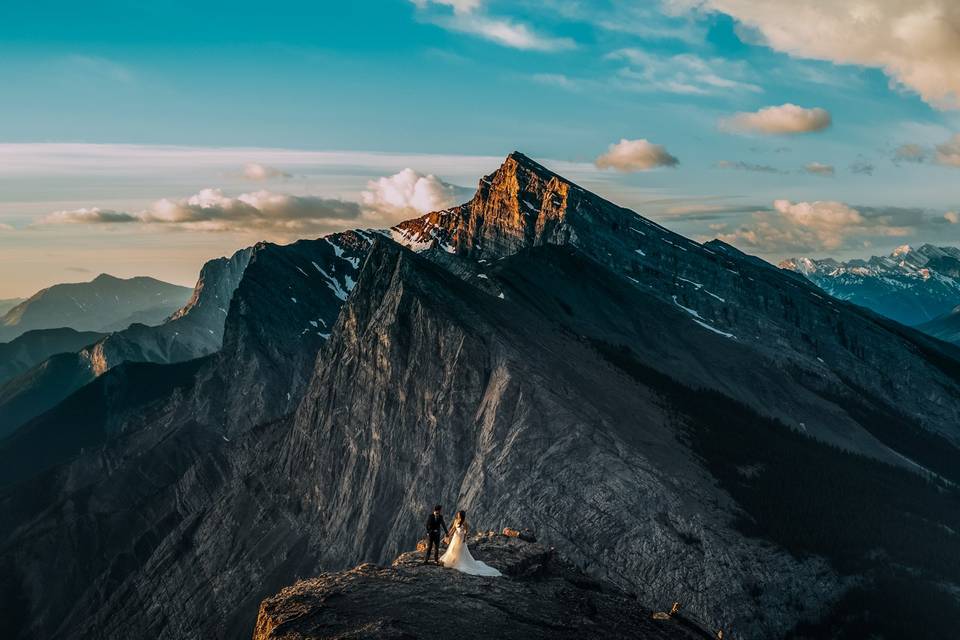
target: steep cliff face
<point>644,402</point>
<point>829,346</point>
<point>541,596</point>
<point>194,330</point>
<point>277,320</point>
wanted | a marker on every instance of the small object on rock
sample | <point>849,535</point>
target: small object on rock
<point>526,535</point>
<point>662,615</point>
<point>422,546</point>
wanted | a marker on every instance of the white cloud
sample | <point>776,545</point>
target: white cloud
<point>819,226</point>
<point>820,169</point>
<point>635,155</point>
<point>409,194</point>
<point>256,171</point>
<point>685,73</point>
<point>211,210</point>
<point>558,80</point>
<point>5,227</point>
<point>948,153</point>
<point>916,44</point>
<point>784,119</point>
<point>953,217</point>
<point>508,33</point>
<point>459,6</point>
<point>468,17</point>
<point>93,215</point>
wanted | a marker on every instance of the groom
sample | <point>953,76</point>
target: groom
<point>434,523</point>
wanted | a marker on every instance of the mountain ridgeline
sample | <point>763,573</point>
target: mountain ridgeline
<point>682,421</point>
<point>104,304</point>
<point>911,285</point>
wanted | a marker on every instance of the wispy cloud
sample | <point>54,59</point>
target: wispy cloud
<point>469,16</point>
<point>256,171</point>
<point>685,74</point>
<point>948,153</point>
<point>747,166</point>
<point>820,169</point>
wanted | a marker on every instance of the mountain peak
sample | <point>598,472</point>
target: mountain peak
<point>902,250</point>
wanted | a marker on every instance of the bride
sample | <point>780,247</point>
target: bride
<point>458,555</point>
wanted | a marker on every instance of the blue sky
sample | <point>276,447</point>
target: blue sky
<point>120,105</point>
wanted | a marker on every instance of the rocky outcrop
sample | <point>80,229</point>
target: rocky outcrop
<point>541,595</point>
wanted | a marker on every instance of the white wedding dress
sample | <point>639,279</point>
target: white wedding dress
<point>458,557</point>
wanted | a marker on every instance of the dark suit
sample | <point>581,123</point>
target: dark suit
<point>434,524</point>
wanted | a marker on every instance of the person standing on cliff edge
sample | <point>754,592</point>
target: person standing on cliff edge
<point>434,524</point>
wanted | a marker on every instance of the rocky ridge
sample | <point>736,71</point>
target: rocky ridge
<point>540,596</point>
<point>645,402</point>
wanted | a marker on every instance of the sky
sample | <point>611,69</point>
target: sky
<point>145,137</point>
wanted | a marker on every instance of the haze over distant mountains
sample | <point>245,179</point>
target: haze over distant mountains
<point>34,384</point>
<point>104,304</point>
<point>911,285</point>
<point>684,421</point>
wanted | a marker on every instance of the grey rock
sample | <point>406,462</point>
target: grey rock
<point>540,596</point>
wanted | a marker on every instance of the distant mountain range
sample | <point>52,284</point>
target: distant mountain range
<point>680,420</point>
<point>192,331</point>
<point>911,285</point>
<point>104,304</point>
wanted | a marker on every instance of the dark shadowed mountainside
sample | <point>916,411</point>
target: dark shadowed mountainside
<point>34,347</point>
<point>682,421</point>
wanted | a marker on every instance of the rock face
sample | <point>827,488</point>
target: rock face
<point>276,323</point>
<point>98,305</point>
<point>683,421</point>
<point>911,285</point>
<point>540,596</point>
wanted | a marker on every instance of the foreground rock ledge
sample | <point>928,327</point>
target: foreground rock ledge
<point>540,596</point>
